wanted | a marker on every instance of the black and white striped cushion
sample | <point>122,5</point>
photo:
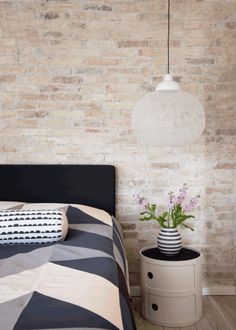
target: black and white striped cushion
<point>32,226</point>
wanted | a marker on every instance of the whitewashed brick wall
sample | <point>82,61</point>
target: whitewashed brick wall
<point>70,74</point>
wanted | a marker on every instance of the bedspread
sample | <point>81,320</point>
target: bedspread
<point>80,283</point>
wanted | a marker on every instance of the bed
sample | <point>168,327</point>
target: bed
<point>81,282</point>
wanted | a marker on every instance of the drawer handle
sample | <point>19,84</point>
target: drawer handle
<point>150,275</point>
<point>154,307</point>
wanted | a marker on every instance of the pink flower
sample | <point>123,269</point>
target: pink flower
<point>179,199</point>
<point>182,194</point>
<point>188,207</point>
<point>171,201</point>
<point>142,202</point>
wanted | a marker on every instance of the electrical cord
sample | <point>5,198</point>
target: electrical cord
<point>168,40</point>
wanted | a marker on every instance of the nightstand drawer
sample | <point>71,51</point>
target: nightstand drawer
<point>169,278</point>
<point>179,310</point>
<point>171,291</point>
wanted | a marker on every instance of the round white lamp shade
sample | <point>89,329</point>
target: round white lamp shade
<point>168,116</point>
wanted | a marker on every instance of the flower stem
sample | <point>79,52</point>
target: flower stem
<point>168,219</point>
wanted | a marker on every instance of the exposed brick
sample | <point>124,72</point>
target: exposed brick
<point>98,7</point>
<point>35,97</point>
<point>228,131</point>
<point>34,114</point>
<point>54,34</point>
<point>226,166</point>
<point>7,149</point>
<point>7,78</point>
<point>197,61</point>
<point>165,165</point>
<point>50,15</point>
<point>70,75</point>
<point>231,25</point>
<point>101,61</point>
<point>130,234</point>
<point>213,190</point>
<point>133,43</point>
<point>68,80</point>
<point>89,71</point>
<point>129,226</point>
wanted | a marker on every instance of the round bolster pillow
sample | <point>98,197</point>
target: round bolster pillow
<point>32,226</point>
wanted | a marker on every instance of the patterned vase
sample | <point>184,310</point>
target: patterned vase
<point>169,241</point>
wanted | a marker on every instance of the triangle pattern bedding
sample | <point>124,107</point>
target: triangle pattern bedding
<point>79,283</point>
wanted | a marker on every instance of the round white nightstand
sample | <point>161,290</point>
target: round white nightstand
<point>171,288</point>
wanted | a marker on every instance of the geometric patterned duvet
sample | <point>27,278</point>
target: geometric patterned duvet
<point>80,283</point>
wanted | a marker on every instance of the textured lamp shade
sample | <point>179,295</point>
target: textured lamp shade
<point>168,117</point>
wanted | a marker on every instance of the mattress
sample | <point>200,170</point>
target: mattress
<point>79,283</point>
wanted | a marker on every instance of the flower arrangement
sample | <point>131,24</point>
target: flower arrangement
<point>178,209</point>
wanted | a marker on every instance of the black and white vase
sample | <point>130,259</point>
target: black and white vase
<point>169,241</point>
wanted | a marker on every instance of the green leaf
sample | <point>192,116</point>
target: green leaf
<point>187,226</point>
<point>162,219</point>
<point>145,219</point>
<point>165,214</point>
<point>153,208</point>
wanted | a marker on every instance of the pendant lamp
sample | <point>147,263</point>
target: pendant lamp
<point>168,116</point>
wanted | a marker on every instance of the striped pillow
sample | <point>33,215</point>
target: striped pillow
<point>32,226</point>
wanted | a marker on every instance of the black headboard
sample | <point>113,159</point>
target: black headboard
<point>92,185</point>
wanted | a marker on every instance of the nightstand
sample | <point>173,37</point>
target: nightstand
<point>171,288</point>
